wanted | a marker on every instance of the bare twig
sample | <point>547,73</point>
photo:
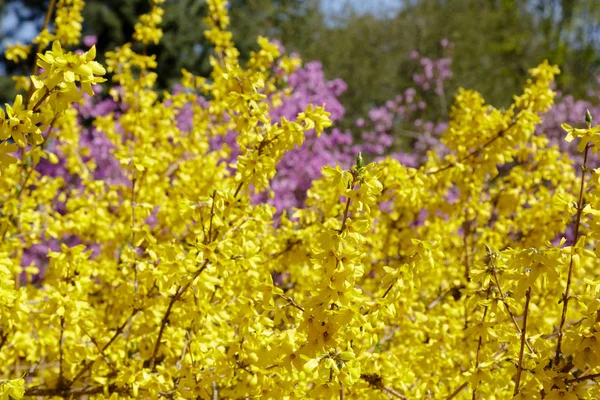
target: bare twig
<point>347,209</point>
<point>474,152</point>
<point>583,378</point>
<point>480,343</point>
<point>208,238</point>
<point>61,352</point>
<point>345,218</point>
<point>73,392</point>
<point>114,337</point>
<point>567,293</point>
<point>457,391</point>
<point>523,341</point>
<point>466,234</point>
<point>163,324</point>
<point>102,352</point>
<point>508,310</point>
<point>3,339</point>
<point>237,191</point>
<point>292,302</point>
<point>389,390</point>
<point>389,289</point>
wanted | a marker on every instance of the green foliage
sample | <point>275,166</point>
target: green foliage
<point>495,42</point>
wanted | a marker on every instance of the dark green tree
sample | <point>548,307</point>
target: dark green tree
<point>183,44</point>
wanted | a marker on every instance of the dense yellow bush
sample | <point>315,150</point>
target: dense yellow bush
<point>432,283</point>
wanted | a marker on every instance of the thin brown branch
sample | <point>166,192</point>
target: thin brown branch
<point>472,153</point>
<point>237,191</point>
<point>385,338</point>
<point>182,289</point>
<point>292,302</point>
<point>347,209</point>
<point>480,343</point>
<point>376,381</point>
<point>114,337</point>
<point>73,392</point>
<point>3,339</point>
<point>163,324</point>
<point>208,238</point>
<point>345,218</point>
<point>290,245</point>
<point>102,352</point>
<point>133,205</point>
<point>523,341</point>
<point>438,299</point>
<point>508,310</point>
<point>583,378</point>
<point>181,359</point>
<point>391,286</point>
<point>457,391</point>
<point>42,99</point>
<point>466,233</point>
<point>32,166</point>
<point>389,289</point>
<point>165,320</point>
<point>61,352</point>
<point>567,293</point>
<point>389,390</point>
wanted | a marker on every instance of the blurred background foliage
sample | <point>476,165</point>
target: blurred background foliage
<point>366,43</point>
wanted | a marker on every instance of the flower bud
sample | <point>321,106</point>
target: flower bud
<point>359,161</point>
<point>588,117</point>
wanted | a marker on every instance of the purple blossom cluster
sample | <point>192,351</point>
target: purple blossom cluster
<point>302,165</point>
<point>434,72</point>
<point>400,118</point>
<point>376,135</point>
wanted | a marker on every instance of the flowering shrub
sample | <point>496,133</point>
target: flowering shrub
<point>300,166</point>
<point>169,291</point>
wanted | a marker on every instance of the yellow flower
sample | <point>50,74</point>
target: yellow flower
<point>12,389</point>
<point>5,157</point>
<point>19,124</point>
<point>68,67</point>
<point>586,135</point>
<point>17,52</point>
<point>561,394</point>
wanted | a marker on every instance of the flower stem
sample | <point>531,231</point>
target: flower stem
<point>567,293</point>
<point>523,341</point>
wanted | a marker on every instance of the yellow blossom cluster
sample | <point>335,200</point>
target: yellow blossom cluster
<point>68,21</point>
<point>147,30</point>
<point>17,52</point>
<point>442,282</point>
<point>64,78</point>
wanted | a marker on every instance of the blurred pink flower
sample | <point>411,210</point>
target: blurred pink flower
<point>90,40</point>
